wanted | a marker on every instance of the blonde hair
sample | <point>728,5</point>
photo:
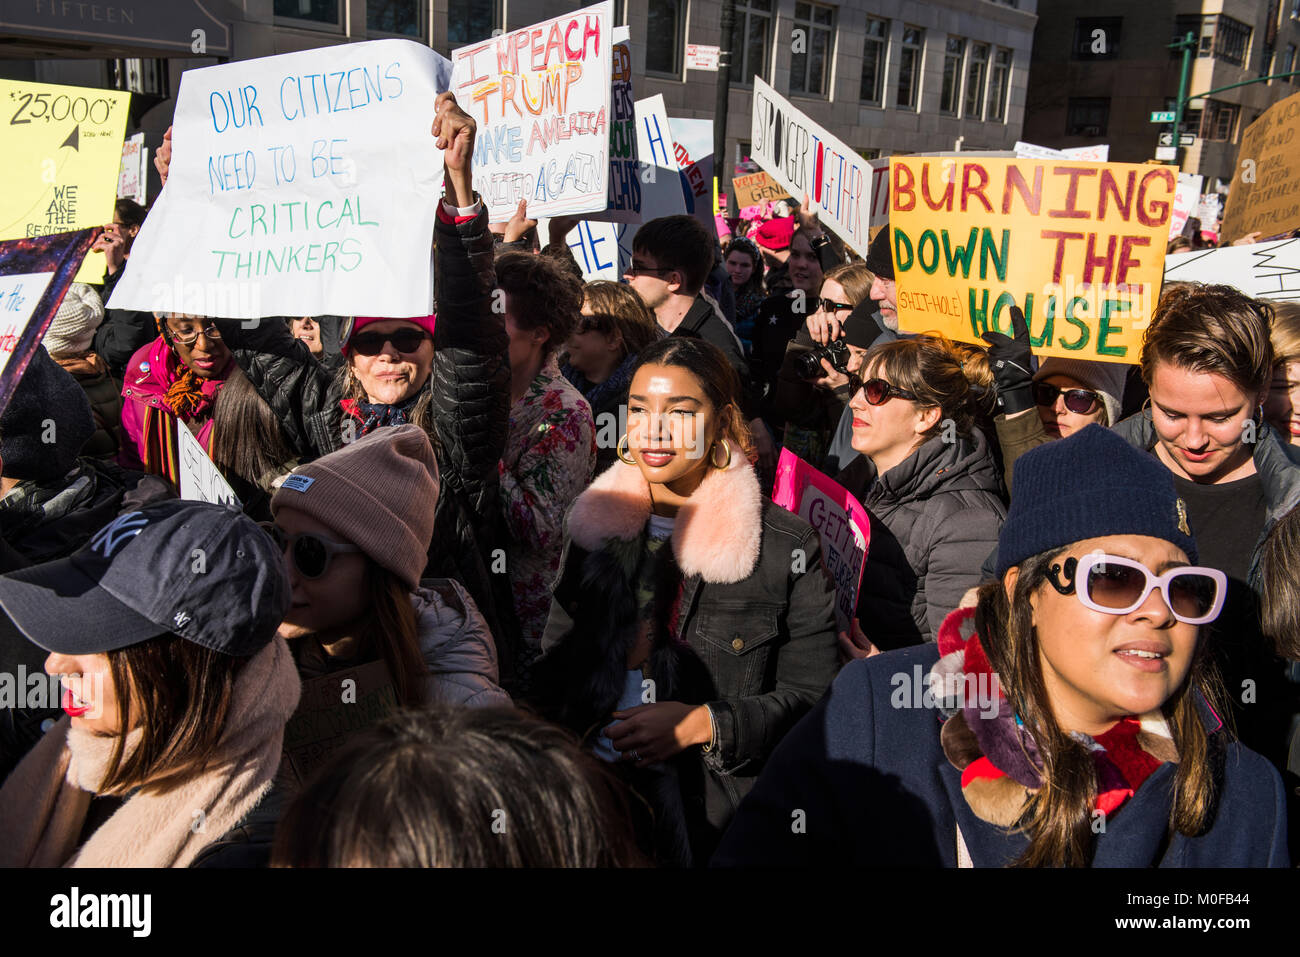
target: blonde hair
<point>956,378</point>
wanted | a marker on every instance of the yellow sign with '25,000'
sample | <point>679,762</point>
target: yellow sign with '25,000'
<point>63,151</point>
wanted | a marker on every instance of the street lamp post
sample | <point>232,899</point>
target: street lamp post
<point>1186,44</point>
<point>721,163</point>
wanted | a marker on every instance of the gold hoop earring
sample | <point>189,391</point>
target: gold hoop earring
<point>618,450</point>
<point>726,448</point>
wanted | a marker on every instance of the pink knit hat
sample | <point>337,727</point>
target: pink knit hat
<point>360,322</point>
<point>775,234</point>
<point>378,493</point>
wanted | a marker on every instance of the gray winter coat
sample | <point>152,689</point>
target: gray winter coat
<point>934,518</point>
<point>457,646</point>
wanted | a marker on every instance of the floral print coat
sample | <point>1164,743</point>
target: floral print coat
<point>549,459</point>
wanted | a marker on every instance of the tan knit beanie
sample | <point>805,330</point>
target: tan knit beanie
<point>378,493</point>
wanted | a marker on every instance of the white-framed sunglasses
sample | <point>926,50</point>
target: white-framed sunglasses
<point>1116,586</point>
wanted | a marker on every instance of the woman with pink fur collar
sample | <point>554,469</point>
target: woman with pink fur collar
<point>692,622</point>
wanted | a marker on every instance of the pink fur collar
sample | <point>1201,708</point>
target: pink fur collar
<point>717,535</point>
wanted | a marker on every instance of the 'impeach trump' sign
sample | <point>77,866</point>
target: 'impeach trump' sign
<point>1080,247</point>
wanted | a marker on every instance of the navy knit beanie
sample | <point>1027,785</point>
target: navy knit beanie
<point>1091,484</point>
<point>46,424</point>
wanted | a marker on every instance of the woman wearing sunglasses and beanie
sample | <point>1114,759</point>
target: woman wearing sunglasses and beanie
<point>1207,361</point>
<point>354,527</point>
<point>1062,397</point>
<point>930,485</point>
<point>176,695</point>
<point>1069,719</point>
<point>693,622</point>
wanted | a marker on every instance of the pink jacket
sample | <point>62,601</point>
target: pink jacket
<point>146,417</point>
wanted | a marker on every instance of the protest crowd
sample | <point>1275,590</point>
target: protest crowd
<point>526,581</point>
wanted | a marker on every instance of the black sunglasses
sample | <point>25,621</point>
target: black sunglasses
<point>830,305</point>
<point>311,553</point>
<point>878,392</point>
<point>1078,401</point>
<point>403,340</point>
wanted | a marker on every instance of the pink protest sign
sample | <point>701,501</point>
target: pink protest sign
<point>841,523</point>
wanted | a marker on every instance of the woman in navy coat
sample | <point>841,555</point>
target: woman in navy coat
<point>1066,720</point>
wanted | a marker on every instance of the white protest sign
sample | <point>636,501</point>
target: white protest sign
<point>131,177</point>
<point>1093,154</point>
<point>541,96</point>
<point>1186,198</point>
<point>200,481</point>
<point>624,201</point>
<point>301,184</point>
<point>1088,154</point>
<point>661,183</point>
<point>806,159</point>
<point>19,297</point>
<point>693,148</point>
<point>1210,210</point>
<point>1265,270</point>
<point>1025,150</point>
<point>603,250</point>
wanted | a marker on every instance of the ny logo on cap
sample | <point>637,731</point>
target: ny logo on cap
<point>109,538</point>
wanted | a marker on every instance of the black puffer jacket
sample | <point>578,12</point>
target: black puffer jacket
<point>934,518</point>
<point>470,407</point>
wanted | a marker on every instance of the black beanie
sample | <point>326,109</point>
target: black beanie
<point>47,403</point>
<point>879,259</point>
<point>1089,485</point>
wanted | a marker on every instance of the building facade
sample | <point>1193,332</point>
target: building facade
<point>1100,68</point>
<point>886,76</point>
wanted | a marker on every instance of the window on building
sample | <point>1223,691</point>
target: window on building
<point>319,11</point>
<point>909,67</point>
<point>810,70</point>
<point>950,93</point>
<point>751,41</point>
<point>469,21</point>
<point>1295,9</point>
<point>1087,116</point>
<point>1096,38</point>
<point>1266,60</point>
<point>663,48</point>
<point>1231,40</point>
<point>1220,37</point>
<point>873,61</point>
<point>1196,25</point>
<point>1288,61</point>
<point>977,71</point>
<point>394,16</point>
<point>869,152</point>
<point>1219,121</point>
<point>148,77</point>
<point>999,85</point>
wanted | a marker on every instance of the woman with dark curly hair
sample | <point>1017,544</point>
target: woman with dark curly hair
<point>550,449</point>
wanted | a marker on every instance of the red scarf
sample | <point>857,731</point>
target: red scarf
<point>1125,755</point>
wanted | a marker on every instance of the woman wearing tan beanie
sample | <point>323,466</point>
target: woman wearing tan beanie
<point>355,527</point>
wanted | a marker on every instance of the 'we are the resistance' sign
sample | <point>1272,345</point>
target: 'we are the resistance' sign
<point>1080,247</point>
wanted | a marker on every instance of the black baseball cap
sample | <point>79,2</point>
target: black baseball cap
<point>204,572</point>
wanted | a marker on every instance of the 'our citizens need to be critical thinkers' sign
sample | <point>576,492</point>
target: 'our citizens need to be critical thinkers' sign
<point>301,184</point>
